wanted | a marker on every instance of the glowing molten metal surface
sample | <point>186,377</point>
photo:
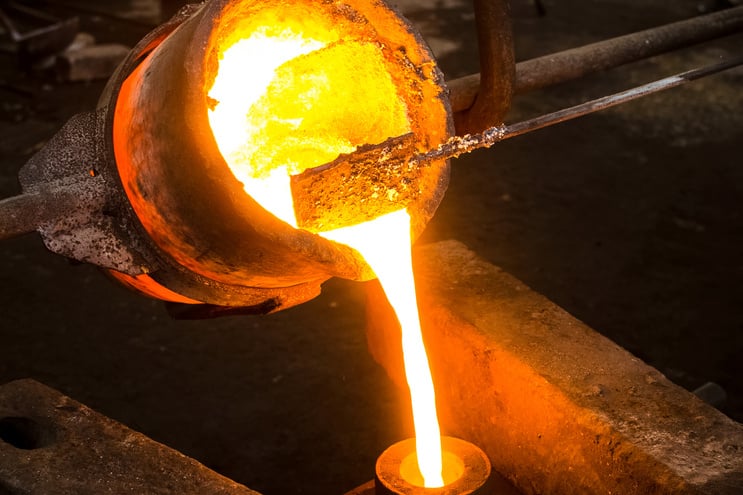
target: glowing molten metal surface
<point>285,103</point>
<point>281,103</point>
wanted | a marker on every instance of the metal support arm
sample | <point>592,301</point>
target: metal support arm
<point>577,62</point>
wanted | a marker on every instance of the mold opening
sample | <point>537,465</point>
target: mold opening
<point>24,433</point>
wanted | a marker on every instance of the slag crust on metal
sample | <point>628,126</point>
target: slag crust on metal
<point>357,187</point>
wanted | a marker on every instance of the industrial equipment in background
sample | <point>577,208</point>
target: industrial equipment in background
<point>146,212</point>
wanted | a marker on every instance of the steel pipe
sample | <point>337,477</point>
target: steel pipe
<point>577,62</point>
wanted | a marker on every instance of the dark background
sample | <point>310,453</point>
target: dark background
<point>629,219</point>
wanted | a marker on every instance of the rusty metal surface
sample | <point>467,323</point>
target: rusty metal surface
<point>51,444</point>
<point>497,67</point>
<point>578,62</point>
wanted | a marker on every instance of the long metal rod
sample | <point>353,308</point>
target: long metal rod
<point>577,62</point>
<point>347,174</point>
<point>459,145</point>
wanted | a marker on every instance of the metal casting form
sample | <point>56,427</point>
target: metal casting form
<point>72,196</point>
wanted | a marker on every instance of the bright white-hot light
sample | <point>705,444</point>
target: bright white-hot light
<point>282,102</point>
<point>245,70</point>
<point>274,192</point>
<point>385,243</point>
<point>232,128</point>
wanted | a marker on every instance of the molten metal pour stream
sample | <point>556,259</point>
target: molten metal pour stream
<point>385,244</point>
<point>427,463</point>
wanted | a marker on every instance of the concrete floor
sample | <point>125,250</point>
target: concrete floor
<point>629,219</point>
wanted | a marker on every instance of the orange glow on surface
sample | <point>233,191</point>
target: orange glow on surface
<point>385,244</point>
<point>281,103</point>
<point>147,285</point>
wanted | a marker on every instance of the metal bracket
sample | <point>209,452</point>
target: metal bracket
<point>76,202</point>
<point>497,68</point>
